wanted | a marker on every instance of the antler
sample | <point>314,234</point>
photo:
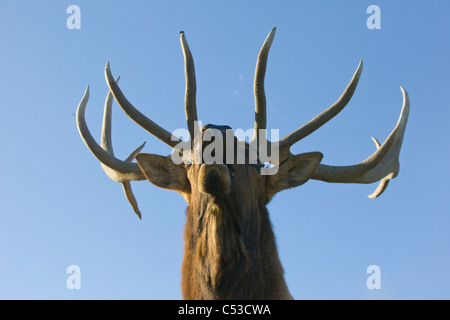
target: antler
<point>135,115</point>
<point>126,171</point>
<point>295,136</point>
<point>146,123</point>
<point>117,170</point>
<point>382,165</point>
<point>325,116</point>
<point>191,89</point>
<point>107,145</point>
<point>258,88</point>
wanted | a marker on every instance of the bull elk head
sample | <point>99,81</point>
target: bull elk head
<point>230,249</point>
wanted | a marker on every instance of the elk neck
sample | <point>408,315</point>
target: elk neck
<point>230,251</point>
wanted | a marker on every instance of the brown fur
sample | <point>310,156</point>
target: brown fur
<point>230,250</point>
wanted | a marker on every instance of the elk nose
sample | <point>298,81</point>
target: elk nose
<point>214,179</point>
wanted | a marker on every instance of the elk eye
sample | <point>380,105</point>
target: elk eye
<point>231,170</point>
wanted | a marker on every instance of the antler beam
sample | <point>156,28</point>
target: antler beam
<point>117,170</point>
<point>325,116</point>
<point>126,171</point>
<point>382,165</point>
<point>137,116</point>
<point>107,145</point>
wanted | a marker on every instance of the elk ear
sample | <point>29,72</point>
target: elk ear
<point>163,173</point>
<point>293,172</point>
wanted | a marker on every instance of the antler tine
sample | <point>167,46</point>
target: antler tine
<point>117,170</point>
<point>136,115</point>
<point>106,144</point>
<point>191,88</point>
<point>323,117</point>
<point>258,88</point>
<point>381,165</point>
<point>127,185</point>
<point>385,181</point>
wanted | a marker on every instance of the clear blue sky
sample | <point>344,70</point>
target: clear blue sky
<point>58,208</point>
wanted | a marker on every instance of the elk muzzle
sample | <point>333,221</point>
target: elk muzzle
<point>215,179</point>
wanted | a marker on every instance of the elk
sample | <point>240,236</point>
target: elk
<point>230,250</point>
